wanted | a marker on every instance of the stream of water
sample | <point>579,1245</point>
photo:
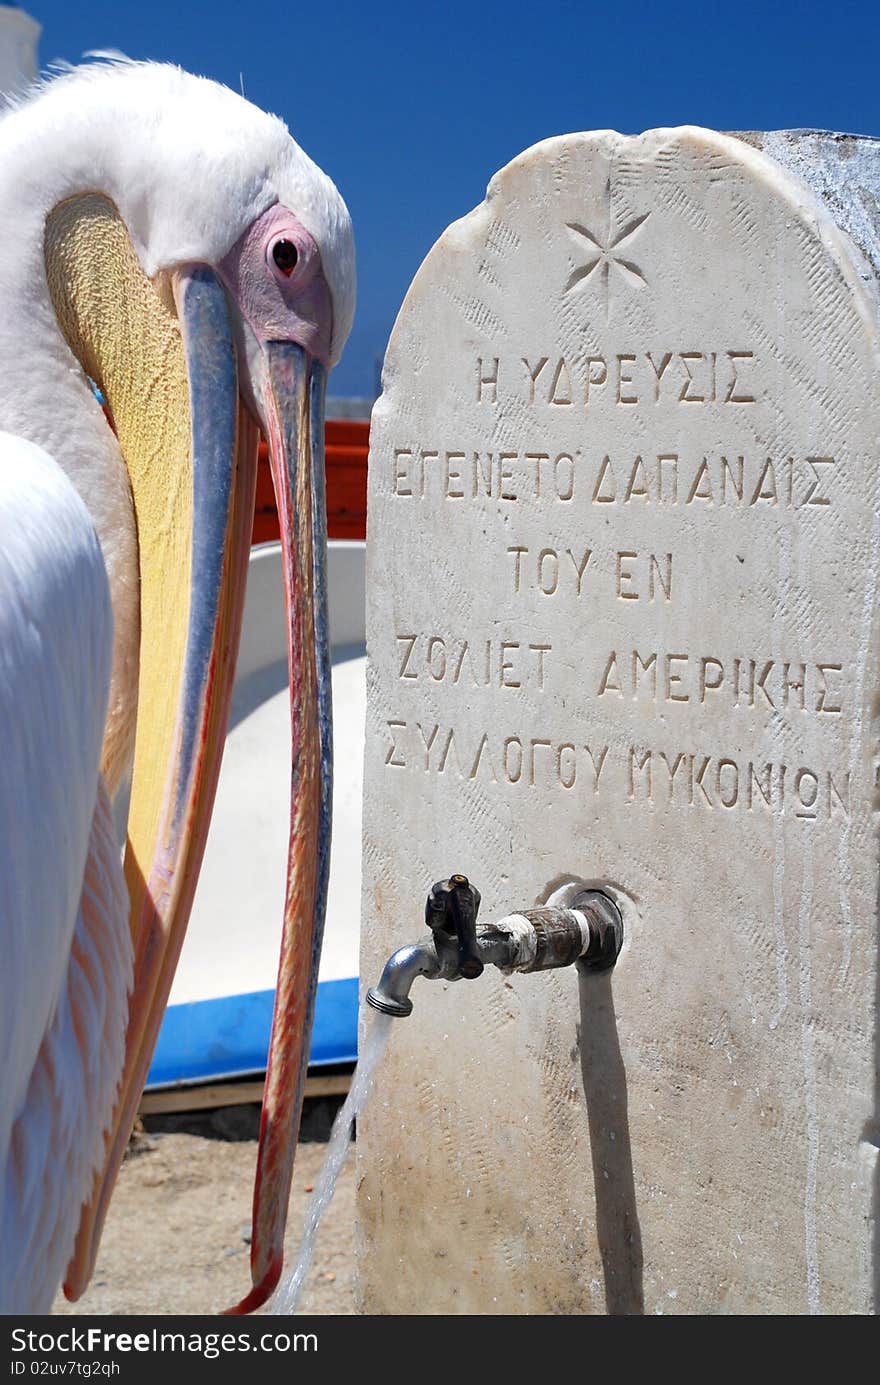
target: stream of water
<point>287,1296</point>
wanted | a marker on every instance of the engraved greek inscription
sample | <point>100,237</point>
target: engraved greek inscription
<point>533,372</point>
<point>426,456</point>
<point>536,744</point>
<point>560,390</point>
<point>487,379</point>
<point>738,361</point>
<point>757,682</point>
<point>648,667</point>
<point>605,491</point>
<point>538,458</point>
<point>687,396</point>
<point>698,779</point>
<point>394,751</point>
<point>766,487</point>
<point>580,565</point>
<point>610,681</point>
<point>734,477</point>
<point>674,679</point>
<point>701,486</point>
<point>427,741</point>
<point>450,756</point>
<point>806,787</point>
<point>459,664</point>
<point>408,641</point>
<point>479,663</point>
<point>507,667</point>
<point>640,764</point>
<point>540,650</point>
<point>711,481</point>
<point>711,675</point>
<point>639,774</point>
<point>837,799</point>
<point>483,474</point>
<point>506,475</point>
<point>669,495</point>
<point>454,475</point>
<point>597,374</point>
<point>548,571</point>
<point>449,475</point>
<point>761,483</point>
<point>724,783</point>
<point>765,788</point>
<point>534,762</point>
<point>483,753</point>
<point>513,762</point>
<point>659,577</point>
<point>625,380</point>
<point>566,764</point>
<point>563,476</point>
<point>815,495</point>
<point>707,378</point>
<point>401,474</point>
<point>516,551</point>
<point>437,658</point>
<point>637,485</point>
<point>673,768</point>
<point>658,371</point>
<point>795,687</point>
<point>624,576</point>
<point>663,576</point>
<point>597,765</point>
<point>558,473</point>
<point>823,705</point>
<point>551,568</point>
<point>727,783</point>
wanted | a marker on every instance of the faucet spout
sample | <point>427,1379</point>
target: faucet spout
<point>589,933</point>
<point>391,995</point>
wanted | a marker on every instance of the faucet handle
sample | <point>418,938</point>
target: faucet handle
<point>451,909</point>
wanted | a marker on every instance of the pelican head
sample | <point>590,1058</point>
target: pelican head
<point>176,247</point>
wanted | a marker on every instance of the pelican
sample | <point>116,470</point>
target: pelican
<point>167,242</point>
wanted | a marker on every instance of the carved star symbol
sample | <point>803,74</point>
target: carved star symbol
<point>605,254</point>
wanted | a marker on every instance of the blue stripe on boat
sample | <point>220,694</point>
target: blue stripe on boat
<point>229,1037</point>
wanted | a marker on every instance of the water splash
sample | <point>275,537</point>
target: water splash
<point>287,1297</point>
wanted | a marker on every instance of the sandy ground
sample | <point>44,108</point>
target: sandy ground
<point>177,1238</point>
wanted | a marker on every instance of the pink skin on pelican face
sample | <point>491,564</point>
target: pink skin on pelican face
<point>275,276</point>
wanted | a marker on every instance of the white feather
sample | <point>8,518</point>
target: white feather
<point>64,936</point>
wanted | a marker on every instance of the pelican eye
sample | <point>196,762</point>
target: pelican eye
<point>285,255</point>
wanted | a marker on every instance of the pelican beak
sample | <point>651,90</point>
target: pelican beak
<point>194,525</point>
<point>293,411</point>
<point>190,445</point>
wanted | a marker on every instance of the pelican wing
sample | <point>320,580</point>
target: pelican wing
<point>66,955</point>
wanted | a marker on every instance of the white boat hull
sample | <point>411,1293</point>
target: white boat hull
<point>220,1010</point>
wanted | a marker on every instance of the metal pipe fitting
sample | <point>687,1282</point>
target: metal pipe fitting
<point>391,995</point>
<point>589,933</point>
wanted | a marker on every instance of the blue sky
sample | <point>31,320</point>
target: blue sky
<point>412,107</point>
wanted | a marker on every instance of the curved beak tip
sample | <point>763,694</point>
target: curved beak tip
<point>260,1293</point>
